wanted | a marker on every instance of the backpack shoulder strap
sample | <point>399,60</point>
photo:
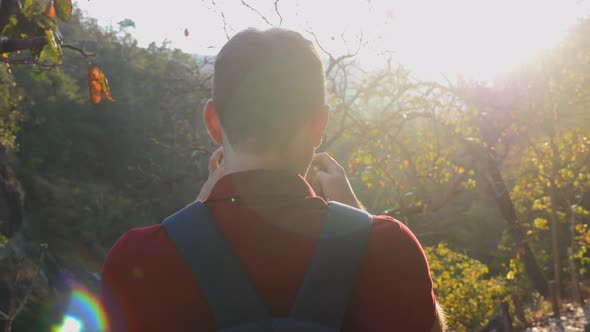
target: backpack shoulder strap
<point>325,292</point>
<point>226,287</point>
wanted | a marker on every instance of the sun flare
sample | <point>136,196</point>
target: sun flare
<point>475,38</point>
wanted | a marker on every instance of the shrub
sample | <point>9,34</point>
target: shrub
<point>468,296</point>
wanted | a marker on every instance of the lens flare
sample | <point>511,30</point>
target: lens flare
<point>70,324</point>
<point>84,314</point>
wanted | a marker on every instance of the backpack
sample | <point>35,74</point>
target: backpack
<point>323,296</point>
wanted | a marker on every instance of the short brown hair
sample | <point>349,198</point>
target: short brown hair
<point>266,84</point>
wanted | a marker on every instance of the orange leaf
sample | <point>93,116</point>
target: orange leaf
<point>50,11</point>
<point>105,87</point>
<point>94,74</point>
<point>94,85</point>
<point>95,92</point>
<point>97,85</point>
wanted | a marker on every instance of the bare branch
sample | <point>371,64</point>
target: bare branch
<point>333,61</point>
<point>225,25</point>
<point>81,51</point>
<point>278,13</point>
<point>315,37</point>
<point>257,12</point>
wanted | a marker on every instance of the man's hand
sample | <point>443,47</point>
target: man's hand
<point>327,175</point>
<point>216,172</point>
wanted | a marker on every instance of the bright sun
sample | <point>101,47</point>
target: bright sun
<point>476,38</point>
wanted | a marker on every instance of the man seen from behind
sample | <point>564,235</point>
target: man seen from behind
<point>260,247</point>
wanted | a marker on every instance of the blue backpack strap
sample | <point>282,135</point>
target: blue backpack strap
<point>325,292</point>
<point>226,287</point>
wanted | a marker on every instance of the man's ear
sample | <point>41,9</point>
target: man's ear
<point>318,126</point>
<point>212,122</point>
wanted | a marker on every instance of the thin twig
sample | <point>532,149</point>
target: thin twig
<point>224,25</point>
<point>257,12</point>
<point>81,51</point>
<point>278,13</point>
<point>315,37</point>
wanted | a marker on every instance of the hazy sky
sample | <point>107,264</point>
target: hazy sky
<point>476,38</point>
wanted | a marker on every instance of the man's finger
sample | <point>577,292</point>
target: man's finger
<point>217,173</point>
<point>214,160</point>
<point>320,177</point>
<point>328,163</point>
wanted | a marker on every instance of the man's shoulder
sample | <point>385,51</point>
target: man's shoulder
<point>147,241</point>
<point>386,225</point>
<point>393,237</point>
<point>139,236</point>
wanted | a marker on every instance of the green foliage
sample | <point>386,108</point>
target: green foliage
<point>3,241</point>
<point>463,287</point>
<point>37,18</point>
<point>420,151</point>
<point>147,152</point>
<point>10,107</point>
<point>63,9</point>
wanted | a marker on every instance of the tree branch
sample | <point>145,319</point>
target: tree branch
<point>13,45</point>
<point>257,12</point>
<point>28,61</point>
<point>454,189</point>
<point>79,50</point>
<point>225,26</point>
<point>278,13</point>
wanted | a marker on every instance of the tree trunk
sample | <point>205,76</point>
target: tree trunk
<point>555,242</point>
<point>506,207</point>
<point>576,291</point>
<point>14,196</point>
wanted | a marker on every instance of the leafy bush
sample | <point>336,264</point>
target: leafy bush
<point>462,288</point>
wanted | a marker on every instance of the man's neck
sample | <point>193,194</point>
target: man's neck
<point>234,162</point>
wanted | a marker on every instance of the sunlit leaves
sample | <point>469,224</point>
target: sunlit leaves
<point>541,224</point>
<point>468,296</point>
<point>53,47</point>
<point>64,9</point>
<point>97,85</point>
<point>582,250</point>
<point>28,10</point>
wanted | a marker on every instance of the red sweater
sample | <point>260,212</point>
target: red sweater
<point>272,221</point>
